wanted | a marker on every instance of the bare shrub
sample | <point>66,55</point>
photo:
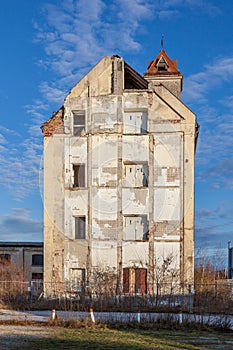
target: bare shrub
<point>213,293</point>
<point>13,291</point>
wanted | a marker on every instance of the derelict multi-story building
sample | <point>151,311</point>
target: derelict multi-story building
<point>119,177</point>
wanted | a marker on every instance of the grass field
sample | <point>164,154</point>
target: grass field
<point>125,339</point>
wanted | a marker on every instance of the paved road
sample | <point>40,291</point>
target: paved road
<point>45,315</point>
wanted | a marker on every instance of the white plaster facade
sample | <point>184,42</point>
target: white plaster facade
<point>119,178</point>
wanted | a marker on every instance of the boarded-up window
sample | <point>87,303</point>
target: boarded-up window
<point>37,260</point>
<point>126,280</point>
<point>134,280</point>
<point>141,280</point>
<point>135,122</point>
<point>135,228</point>
<point>78,175</point>
<point>136,175</point>
<point>80,227</point>
<point>78,123</point>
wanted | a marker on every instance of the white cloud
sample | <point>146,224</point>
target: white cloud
<point>227,101</point>
<point>213,75</point>
<point>2,139</point>
<point>212,224</point>
<point>136,10</point>
<point>18,223</point>
<point>215,115</point>
<point>196,5</point>
<point>168,14</point>
<point>77,33</point>
<point>8,131</point>
<point>20,157</point>
<point>52,93</point>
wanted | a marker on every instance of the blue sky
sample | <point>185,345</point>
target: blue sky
<point>48,45</point>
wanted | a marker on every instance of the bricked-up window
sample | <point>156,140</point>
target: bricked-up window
<point>80,227</point>
<point>136,175</point>
<point>78,123</point>
<point>135,228</point>
<point>37,260</point>
<point>78,175</point>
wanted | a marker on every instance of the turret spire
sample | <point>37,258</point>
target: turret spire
<point>162,42</point>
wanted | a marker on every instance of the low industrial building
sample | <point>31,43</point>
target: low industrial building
<point>25,260</point>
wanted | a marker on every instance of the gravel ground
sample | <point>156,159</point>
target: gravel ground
<point>15,337</point>
<point>6,315</point>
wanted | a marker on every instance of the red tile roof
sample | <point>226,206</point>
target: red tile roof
<point>171,65</point>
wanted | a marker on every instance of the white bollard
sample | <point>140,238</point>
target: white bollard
<point>180,317</point>
<point>139,317</point>
<point>53,314</point>
<point>92,316</point>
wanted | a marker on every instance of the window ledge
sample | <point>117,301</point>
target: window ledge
<point>77,188</point>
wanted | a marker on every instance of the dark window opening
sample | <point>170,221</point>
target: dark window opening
<point>133,80</point>
<point>162,67</point>
<point>80,227</point>
<point>162,64</point>
<point>37,276</point>
<point>37,260</point>
<point>79,175</point>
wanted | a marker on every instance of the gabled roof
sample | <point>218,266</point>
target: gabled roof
<point>161,65</point>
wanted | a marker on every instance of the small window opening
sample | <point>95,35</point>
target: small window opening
<point>79,175</point>
<point>78,123</point>
<point>37,260</point>
<point>162,64</point>
<point>37,276</point>
<point>80,227</point>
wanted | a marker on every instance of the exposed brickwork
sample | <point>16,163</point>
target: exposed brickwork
<point>173,173</point>
<point>55,124</point>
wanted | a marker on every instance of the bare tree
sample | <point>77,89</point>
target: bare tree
<point>104,281</point>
